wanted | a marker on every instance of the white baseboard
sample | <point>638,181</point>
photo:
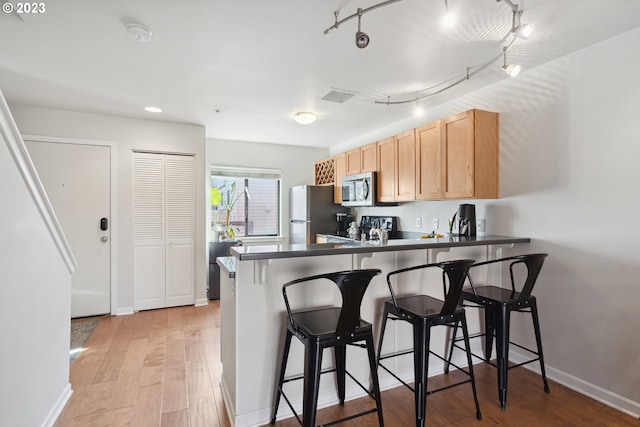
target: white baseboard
<point>229,403</point>
<point>56,410</point>
<point>593,391</point>
<point>123,311</point>
<point>202,301</point>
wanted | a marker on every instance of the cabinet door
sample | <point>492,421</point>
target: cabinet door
<point>368,158</point>
<point>428,162</point>
<point>458,156</point>
<point>405,166</point>
<point>340,171</point>
<point>353,161</point>
<point>486,130</point>
<point>386,170</point>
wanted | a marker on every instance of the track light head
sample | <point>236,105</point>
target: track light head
<point>362,40</point>
<point>448,19</point>
<point>524,30</point>
<point>512,70</point>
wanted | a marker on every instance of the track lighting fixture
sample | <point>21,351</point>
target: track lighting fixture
<point>517,27</point>
<point>524,30</point>
<point>362,39</point>
<point>512,70</point>
<point>449,18</point>
<point>518,31</point>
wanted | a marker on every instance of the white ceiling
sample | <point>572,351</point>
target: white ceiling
<point>258,62</point>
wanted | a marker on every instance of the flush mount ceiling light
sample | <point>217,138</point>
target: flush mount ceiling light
<point>512,70</point>
<point>139,33</point>
<point>153,109</point>
<point>305,117</point>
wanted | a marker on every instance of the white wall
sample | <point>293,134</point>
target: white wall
<point>296,164</point>
<point>35,307</point>
<point>569,150</point>
<point>129,134</point>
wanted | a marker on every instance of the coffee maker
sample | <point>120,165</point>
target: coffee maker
<point>344,219</point>
<point>467,220</point>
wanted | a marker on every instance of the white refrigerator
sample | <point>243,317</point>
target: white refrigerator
<point>311,212</point>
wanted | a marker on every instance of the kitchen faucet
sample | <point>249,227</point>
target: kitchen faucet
<point>381,232</point>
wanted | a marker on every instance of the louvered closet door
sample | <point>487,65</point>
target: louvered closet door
<point>180,191</point>
<point>164,230</point>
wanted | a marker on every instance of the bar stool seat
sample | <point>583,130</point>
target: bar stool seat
<point>333,327</point>
<point>424,312</point>
<point>498,304</point>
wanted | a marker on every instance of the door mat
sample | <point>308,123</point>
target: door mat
<point>81,330</point>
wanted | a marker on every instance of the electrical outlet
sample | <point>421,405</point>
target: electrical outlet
<point>418,222</point>
<point>436,223</point>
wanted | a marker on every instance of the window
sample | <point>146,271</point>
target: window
<point>248,201</point>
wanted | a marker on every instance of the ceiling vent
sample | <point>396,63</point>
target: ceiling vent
<point>338,96</point>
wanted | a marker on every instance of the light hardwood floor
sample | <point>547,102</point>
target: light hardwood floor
<point>162,368</point>
<point>153,368</point>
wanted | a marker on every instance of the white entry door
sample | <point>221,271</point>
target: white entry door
<point>77,180</point>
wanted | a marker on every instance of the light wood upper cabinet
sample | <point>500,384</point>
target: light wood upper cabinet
<point>386,169</point>
<point>362,159</point>
<point>452,158</point>
<point>429,162</point>
<point>405,164</point>
<point>470,155</point>
<point>324,172</point>
<point>340,171</point>
<point>353,161</point>
<point>330,172</point>
<point>396,168</point>
<point>369,158</point>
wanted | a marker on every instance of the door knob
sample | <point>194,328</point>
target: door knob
<point>104,239</point>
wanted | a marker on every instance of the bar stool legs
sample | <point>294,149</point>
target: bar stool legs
<point>283,368</point>
<point>465,333</point>
<point>536,329</point>
<point>421,337</point>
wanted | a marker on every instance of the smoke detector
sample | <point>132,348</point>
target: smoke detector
<point>139,33</point>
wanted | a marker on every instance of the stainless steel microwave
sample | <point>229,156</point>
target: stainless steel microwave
<point>359,189</point>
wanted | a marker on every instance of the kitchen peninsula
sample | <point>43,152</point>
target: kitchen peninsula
<point>253,311</point>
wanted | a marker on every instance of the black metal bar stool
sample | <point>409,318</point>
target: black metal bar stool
<point>498,304</point>
<point>423,312</point>
<point>334,327</point>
